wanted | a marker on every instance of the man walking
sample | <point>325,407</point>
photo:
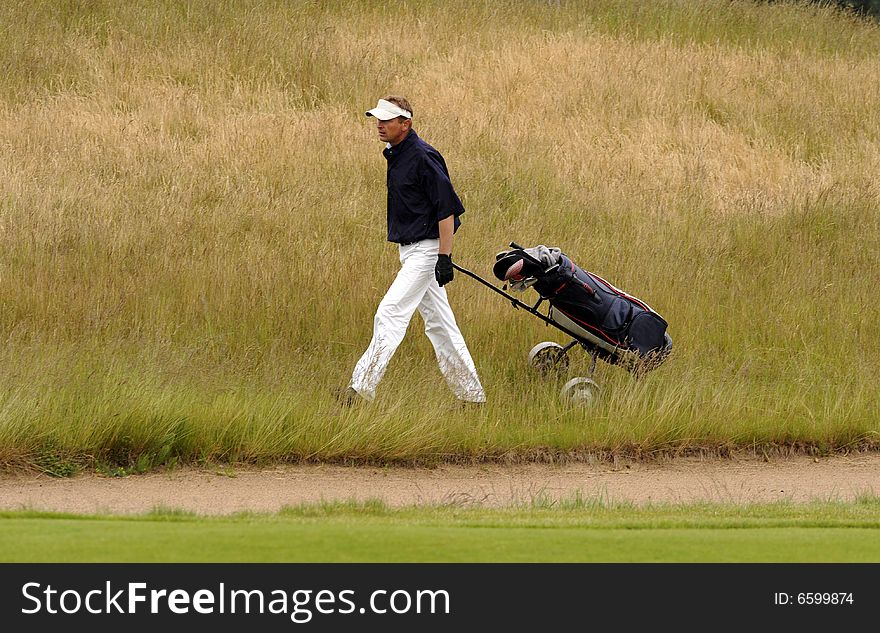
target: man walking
<point>423,215</point>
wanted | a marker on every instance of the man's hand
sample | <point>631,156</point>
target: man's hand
<point>443,270</point>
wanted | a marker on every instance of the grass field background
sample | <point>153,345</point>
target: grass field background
<point>192,224</point>
<point>371,532</point>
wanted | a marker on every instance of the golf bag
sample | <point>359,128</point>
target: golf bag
<point>611,321</point>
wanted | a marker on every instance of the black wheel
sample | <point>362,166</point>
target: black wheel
<point>548,358</point>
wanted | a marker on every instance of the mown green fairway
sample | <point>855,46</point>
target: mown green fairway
<point>822,532</point>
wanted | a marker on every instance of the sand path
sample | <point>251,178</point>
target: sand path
<point>207,491</point>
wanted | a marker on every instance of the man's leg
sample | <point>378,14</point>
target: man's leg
<point>393,316</point>
<point>452,352</point>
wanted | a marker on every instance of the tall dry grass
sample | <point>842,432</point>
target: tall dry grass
<point>192,222</point>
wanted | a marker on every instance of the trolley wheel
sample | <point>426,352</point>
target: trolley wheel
<point>580,391</point>
<point>548,357</point>
<point>667,343</point>
<point>654,359</point>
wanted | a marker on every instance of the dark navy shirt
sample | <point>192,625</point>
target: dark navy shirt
<point>420,193</point>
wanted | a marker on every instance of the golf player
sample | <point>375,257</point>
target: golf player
<point>423,216</point>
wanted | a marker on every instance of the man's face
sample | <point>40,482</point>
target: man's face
<point>394,130</point>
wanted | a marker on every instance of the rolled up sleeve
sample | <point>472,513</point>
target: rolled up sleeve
<point>438,187</point>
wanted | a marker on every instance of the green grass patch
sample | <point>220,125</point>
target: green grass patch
<point>573,532</point>
<point>192,224</point>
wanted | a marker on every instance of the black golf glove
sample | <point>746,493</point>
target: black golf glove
<point>443,270</point>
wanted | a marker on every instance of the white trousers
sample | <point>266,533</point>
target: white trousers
<point>415,287</point>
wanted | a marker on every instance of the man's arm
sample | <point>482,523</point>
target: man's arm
<point>447,230</point>
<point>441,195</point>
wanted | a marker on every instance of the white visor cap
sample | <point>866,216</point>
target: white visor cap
<point>385,111</point>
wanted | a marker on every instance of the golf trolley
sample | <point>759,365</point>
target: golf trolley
<point>608,323</point>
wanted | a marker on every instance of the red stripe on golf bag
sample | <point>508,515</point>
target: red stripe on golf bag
<point>620,292</point>
<point>597,330</point>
